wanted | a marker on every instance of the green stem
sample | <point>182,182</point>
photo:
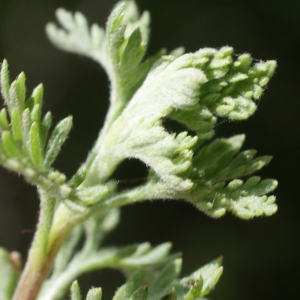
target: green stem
<point>45,246</point>
<point>78,266</point>
<point>148,191</point>
<point>114,111</point>
<point>33,275</point>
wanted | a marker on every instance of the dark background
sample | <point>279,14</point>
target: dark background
<point>261,257</point>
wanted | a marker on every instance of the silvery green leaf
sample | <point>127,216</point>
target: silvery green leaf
<point>35,146</point>
<point>75,291</point>
<point>163,282</point>
<point>94,294</point>
<point>148,256</point>
<point>3,120</point>
<point>16,125</point>
<point>45,127</point>
<point>56,140</point>
<point>200,282</point>
<point>94,194</point>
<point>119,49</point>
<point>5,83</point>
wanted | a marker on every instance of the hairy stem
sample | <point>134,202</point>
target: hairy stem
<point>46,243</point>
<point>113,112</point>
<point>33,275</point>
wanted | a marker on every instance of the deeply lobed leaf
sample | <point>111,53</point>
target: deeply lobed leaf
<point>193,89</point>
<point>165,284</point>
<point>119,49</point>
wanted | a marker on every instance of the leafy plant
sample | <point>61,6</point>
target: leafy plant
<point>194,89</point>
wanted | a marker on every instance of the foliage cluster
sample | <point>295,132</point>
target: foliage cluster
<point>194,89</point>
